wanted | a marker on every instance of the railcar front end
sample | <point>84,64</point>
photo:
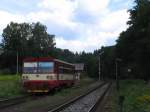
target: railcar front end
<point>45,74</point>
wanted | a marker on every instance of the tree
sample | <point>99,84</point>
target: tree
<point>40,43</point>
<point>133,44</point>
<point>26,39</point>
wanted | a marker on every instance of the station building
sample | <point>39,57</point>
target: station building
<point>79,69</point>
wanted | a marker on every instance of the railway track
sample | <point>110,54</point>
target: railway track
<point>22,99</point>
<point>85,103</point>
<point>4,103</point>
<point>17,100</point>
<point>12,101</point>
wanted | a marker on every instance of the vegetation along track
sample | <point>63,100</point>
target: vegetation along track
<point>86,102</point>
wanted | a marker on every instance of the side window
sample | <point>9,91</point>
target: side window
<point>65,70</point>
<point>61,70</point>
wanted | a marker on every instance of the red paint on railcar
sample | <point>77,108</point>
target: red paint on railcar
<point>32,59</point>
<point>46,85</point>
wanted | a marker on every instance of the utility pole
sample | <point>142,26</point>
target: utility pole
<point>100,65</point>
<point>17,69</point>
<point>117,79</point>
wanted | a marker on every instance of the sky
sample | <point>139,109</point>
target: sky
<point>78,24</point>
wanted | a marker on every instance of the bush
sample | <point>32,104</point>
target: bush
<point>5,71</point>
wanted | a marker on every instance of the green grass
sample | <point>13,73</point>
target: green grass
<point>59,97</point>
<point>9,77</point>
<point>137,95</point>
<point>82,83</point>
<point>10,86</point>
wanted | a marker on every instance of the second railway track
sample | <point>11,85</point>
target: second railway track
<point>17,100</point>
<point>12,101</point>
<point>86,102</point>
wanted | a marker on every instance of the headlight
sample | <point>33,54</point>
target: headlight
<point>23,77</point>
<point>49,77</point>
<point>26,77</point>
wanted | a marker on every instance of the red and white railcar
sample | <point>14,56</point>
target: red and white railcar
<point>46,73</point>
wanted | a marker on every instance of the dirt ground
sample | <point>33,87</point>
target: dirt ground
<point>109,102</point>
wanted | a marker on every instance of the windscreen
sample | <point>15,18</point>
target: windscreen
<point>45,67</point>
<point>30,67</point>
<point>38,67</point>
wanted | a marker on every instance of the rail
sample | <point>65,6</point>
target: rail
<point>12,101</point>
<point>67,104</point>
<point>94,107</point>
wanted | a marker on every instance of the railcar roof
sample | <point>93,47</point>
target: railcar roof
<point>63,62</point>
<point>32,59</point>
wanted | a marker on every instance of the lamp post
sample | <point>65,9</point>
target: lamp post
<point>100,65</point>
<point>117,81</point>
<point>17,69</point>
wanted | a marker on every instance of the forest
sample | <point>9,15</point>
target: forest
<point>132,47</point>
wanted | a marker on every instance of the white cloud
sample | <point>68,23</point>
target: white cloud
<point>88,43</point>
<point>63,8</point>
<point>91,40</point>
<point>6,17</point>
<point>47,17</point>
<point>74,45</point>
<point>59,16</point>
<point>92,6</point>
<point>93,36</point>
<point>115,20</point>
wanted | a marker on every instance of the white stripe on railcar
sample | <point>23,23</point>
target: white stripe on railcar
<point>39,76</point>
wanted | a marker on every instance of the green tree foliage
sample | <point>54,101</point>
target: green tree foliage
<point>32,40</point>
<point>26,39</point>
<point>40,43</point>
<point>108,62</point>
<point>91,63</point>
<point>133,45</point>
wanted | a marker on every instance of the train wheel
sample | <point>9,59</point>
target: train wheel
<point>52,91</point>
